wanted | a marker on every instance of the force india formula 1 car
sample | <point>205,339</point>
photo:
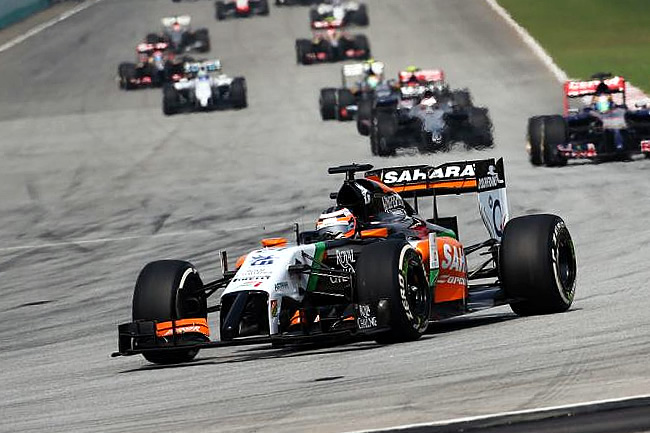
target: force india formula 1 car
<point>331,46</point>
<point>424,113</point>
<point>155,66</point>
<point>359,81</point>
<point>240,8</point>
<point>204,90</point>
<point>338,14</point>
<point>180,37</point>
<point>373,269</point>
<point>601,130</point>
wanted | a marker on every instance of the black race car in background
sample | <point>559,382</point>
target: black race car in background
<point>338,14</point>
<point>604,128</point>
<point>155,66</point>
<point>180,37</point>
<point>426,114</point>
<point>240,8</point>
<point>332,45</point>
<point>359,81</point>
<point>373,268</point>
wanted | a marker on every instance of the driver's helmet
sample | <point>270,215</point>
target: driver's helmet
<point>157,57</point>
<point>336,223</point>
<point>202,74</point>
<point>372,81</point>
<point>603,103</point>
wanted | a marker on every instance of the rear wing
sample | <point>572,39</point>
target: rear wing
<point>425,75</point>
<point>576,89</point>
<point>183,20</point>
<point>147,48</point>
<point>356,71</point>
<point>208,65</point>
<point>485,177</point>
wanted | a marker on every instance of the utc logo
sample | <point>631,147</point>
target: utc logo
<point>262,260</point>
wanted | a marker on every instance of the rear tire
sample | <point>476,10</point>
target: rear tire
<point>361,16</point>
<point>345,98</point>
<point>328,104</point>
<point>392,270</point>
<point>264,7</point>
<point>220,7</point>
<point>203,36</point>
<point>303,47</point>
<point>385,134</point>
<point>170,100</point>
<point>462,98</point>
<point>481,128</point>
<point>152,38</point>
<point>364,116</point>
<point>165,291</point>
<point>238,93</point>
<point>127,72</point>
<point>554,134</point>
<point>537,264</point>
<point>535,134</point>
<point>361,43</point>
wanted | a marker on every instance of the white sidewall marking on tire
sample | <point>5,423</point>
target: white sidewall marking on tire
<point>186,274</point>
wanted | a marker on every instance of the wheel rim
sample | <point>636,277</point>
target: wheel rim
<point>565,267</point>
<point>417,292</point>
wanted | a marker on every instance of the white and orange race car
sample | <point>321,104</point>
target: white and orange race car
<point>373,268</point>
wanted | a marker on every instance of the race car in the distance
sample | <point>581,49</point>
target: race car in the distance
<point>178,33</point>
<point>336,13</point>
<point>332,45</point>
<point>204,89</point>
<point>155,66</point>
<point>373,268</point>
<point>296,2</point>
<point>602,129</point>
<point>427,114</point>
<point>240,8</point>
<point>359,81</point>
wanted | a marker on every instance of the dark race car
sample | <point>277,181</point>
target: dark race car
<point>180,36</point>
<point>155,66</point>
<point>332,45</point>
<point>335,13</point>
<point>240,8</point>
<point>359,81</point>
<point>372,269</point>
<point>602,129</point>
<point>426,114</point>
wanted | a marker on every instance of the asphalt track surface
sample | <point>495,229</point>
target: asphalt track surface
<point>95,182</point>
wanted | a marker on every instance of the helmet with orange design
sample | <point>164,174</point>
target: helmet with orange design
<point>336,223</point>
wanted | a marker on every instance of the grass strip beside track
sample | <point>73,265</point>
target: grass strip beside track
<point>588,36</point>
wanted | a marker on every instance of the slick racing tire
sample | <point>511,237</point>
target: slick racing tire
<point>152,38</point>
<point>203,37</point>
<point>360,17</point>
<point>345,98</point>
<point>127,72</point>
<point>364,116</point>
<point>554,134</point>
<point>169,290</point>
<point>480,128</point>
<point>534,144</point>
<point>170,100</point>
<point>361,44</point>
<point>537,264</point>
<point>385,135</point>
<point>238,92</point>
<point>303,47</point>
<point>327,104</point>
<point>263,8</point>
<point>462,98</point>
<point>220,12</point>
<point>392,271</point>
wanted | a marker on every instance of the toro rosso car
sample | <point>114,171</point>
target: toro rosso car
<point>180,37</point>
<point>425,113</point>
<point>205,89</point>
<point>373,268</point>
<point>604,128</point>
<point>331,46</point>
<point>240,8</point>
<point>359,81</point>
<point>337,13</point>
<point>155,66</point>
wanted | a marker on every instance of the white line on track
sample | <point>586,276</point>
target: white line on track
<point>39,28</point>
<point>203,232</point>
<point>634,93</point>
<point>540,410</point>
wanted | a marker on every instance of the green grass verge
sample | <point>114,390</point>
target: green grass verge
<point>588,36</point>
